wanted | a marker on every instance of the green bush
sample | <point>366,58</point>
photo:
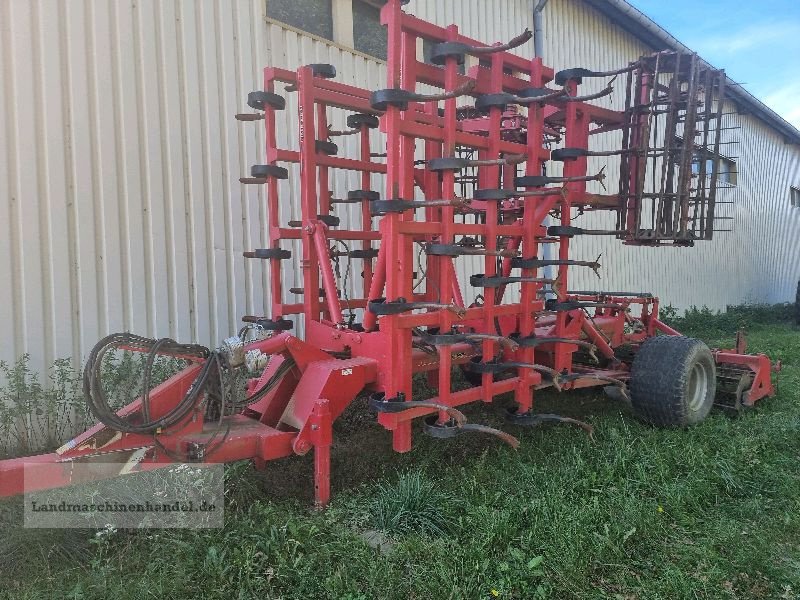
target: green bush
<point>38,417</point>
<point>412,504</point>
<point>703,321</point>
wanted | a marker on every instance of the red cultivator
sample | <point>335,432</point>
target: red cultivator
<point>474,185</point>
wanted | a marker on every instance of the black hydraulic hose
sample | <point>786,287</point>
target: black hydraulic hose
<point>209,387</point>
<point>96,398</point>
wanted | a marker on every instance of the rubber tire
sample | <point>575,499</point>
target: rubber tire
<point>660,379</point>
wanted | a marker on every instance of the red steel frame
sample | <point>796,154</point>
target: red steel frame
<point>297,415</point>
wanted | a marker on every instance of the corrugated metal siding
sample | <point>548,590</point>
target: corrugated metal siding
<point>120,160</point>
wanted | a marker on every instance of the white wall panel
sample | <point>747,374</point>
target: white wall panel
<point>120,205</point>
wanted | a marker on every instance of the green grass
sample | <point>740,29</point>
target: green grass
<point>709,512</point>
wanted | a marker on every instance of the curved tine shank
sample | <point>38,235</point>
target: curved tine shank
<point>556,286</point>
<point>616,382</point>
<point>601,177</point>
<point>461,90</point>
<point>559,419</point>
<point>555,95</point>
<point>604,232</point>
<point>457,416</point>
<point>336,133</point>
<point>249,116</point>
<point>509,344</point>
<point>503,281</point>
<point>591,348</point>
<point>514,43</point>
<point>630,67</point>
<point>580,343</point>
<point>512,159</point>
<point>459,311</point>
<point>456,202</point>
<point>602,93</point>
<point>506,437</point>
<point>468,251</point>
<point>543,280</point>
<point>562,191</point>
<point>554,376</point>
<point>594,265</point>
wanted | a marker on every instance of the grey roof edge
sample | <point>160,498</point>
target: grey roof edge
<point>648,31</point>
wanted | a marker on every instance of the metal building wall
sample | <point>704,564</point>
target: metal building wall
<point>120,206</point>
<point>759,261</point>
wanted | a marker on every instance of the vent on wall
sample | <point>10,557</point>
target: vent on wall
<point>794,193</point>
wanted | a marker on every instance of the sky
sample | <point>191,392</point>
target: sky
<point>757,42</point>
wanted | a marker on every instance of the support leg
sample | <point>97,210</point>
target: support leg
<point>321,436</point>
<point>401,437</point>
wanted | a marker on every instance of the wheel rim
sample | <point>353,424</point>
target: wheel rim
<point>698,386</point>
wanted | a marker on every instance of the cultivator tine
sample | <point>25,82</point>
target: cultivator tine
<point>357,123</point>
<point>301,291</point>
<point>441,52</point>
<point>357,197</point>
<point>623,388</point>
<point>449,339</point>
<point>554,375</point>
<point>534,420</point>
<point>337,133</point>
<point>578,73</point>
<point>485,102</point>
<point>379,403</point>
<point>502,194</point>
<point>571,154</point>
<point>575,305</point>
<point>457,163</point>
<point>450,430</point>
<point>507,343</point>
<point>506,437</point>
<point>602,294</point>
<point>533,341</point>
<point>456,425</point>
<point>499,366</point>
<point>453,250</point>
<point>541,180</point>
<point>396,307</point>
<point>481,280</point>
<point>249,117</point>
<point>530,96</point>
<point>569,231</point>
<point>399,98</point>
<point>536,263</point>
<point>384,207</point>
<point>606,91</point>
<point>593,265</point>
